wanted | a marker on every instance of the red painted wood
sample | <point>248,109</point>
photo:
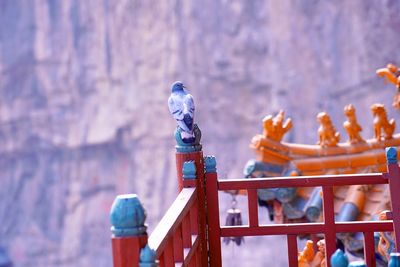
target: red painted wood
<point>329,221</point>
<point>292,250</point>
<point>394,185</point>
<point>302,181</point>
<point>197,258</point>
<point>172,219</point>
<point>190,259</point>
<point>305,228</point>
<point>126,250</point>
<point>189,183</point>
<point>201,208</point>
<point>197,157</point>
<point>252,203</point>
<point>186,232</point>
<point>161,260</point>
<point>194,227</point>
<point>169,255</point>
<point>180,158</point>
<point>178,245</point>
<point>214,235</point>
<point>364,226</point>
<point>369,249</point>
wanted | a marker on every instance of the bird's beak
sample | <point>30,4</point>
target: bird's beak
<point>184,86</point>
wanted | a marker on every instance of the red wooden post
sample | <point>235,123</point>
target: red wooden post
<point>292,250</point>
<point>181,158</point>
<point>192,152</point>
<point>369,249</point>
<point>214,234</point>
<point>201,212</point>
<point>129,232</point>
<point>126,250</point>
<point>394,185</point>
<point>329,221</point>
<point>252,203</point>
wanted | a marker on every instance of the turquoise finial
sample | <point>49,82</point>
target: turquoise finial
<point>391,155</point>
<point>127,216</point>
<point>148,257</point>
<point>210,164</point>
<point>357,264</point>
<point>339,259</point>
<point>189,170</point>
<point>183,147</point>
<point>394,260</point>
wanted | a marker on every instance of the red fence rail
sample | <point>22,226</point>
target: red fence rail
<point>190,233</point>
<point>328,227</point>
<point>175,239</point>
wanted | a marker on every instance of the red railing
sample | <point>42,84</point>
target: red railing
<point>175,239</point>
<point>181,238</point>
<point>328,227</point>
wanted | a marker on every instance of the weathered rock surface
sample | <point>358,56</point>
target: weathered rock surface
<point>83,90</point>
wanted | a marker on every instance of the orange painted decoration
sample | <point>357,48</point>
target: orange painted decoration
<point>383,128</point>
<point>351,126</point>
<point>275,128</point>
<point>328,136</point>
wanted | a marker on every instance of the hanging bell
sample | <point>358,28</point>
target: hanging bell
<point>234,218</point>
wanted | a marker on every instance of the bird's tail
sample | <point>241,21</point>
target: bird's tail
<point>188,120</point>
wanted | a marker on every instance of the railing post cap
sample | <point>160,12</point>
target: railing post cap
<point>391,155</point>
<point>148,257</point>
<point>189,170</point>
<point>210,164</point>
<point>127,216</point>
<point>339,259</point>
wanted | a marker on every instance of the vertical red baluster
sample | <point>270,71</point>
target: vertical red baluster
<point>292,250</point>
<point>252,203</point>
<point>369,249</point>
<point>193,219</point>
<point>186,232</point>
<point>161,260</point>
<point>178,245</point>
<point>214,234</point>
<point>329,221</point>
<point>169,255</point>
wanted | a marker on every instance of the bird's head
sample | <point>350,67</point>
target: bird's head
<point>177,86</point>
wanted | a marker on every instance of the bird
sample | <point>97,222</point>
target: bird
<point>181,106</point>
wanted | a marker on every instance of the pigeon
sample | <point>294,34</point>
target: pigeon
<point>181,106</point>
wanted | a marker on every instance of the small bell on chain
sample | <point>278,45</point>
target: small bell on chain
<point>234,218</point>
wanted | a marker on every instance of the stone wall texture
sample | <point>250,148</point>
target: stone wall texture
<point>83,92</point>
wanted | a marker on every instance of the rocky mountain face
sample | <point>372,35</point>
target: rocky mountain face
<point>83,92</point>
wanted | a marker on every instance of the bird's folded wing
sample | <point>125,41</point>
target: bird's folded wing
<point>189,103</point>
<point>176,108</point>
